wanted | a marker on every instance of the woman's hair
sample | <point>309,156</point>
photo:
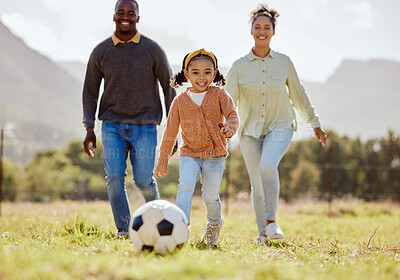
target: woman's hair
<point>263,10</point>
<point>179,78</point>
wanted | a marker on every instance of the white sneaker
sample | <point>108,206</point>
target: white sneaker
<point>274,231</point>
<point>262,239</point>
<point>212,234</point>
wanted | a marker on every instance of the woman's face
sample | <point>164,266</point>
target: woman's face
<point>262,31</point>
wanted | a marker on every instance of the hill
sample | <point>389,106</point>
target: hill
<point>360,99</point>
<point>40,102</point>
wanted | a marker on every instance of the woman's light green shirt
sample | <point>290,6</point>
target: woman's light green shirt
<point>265,91</point>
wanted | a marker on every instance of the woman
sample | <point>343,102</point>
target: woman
<point>265,87</point>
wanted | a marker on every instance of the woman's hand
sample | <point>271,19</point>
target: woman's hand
<point>161,170</point>
<point>320,135</point>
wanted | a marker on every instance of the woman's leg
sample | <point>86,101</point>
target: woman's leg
<point>251,150</point>
<point>275,145</point>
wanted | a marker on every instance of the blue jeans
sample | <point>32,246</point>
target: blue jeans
<point>262,156</point>
<point>211,170</point>
<point>139,141</point>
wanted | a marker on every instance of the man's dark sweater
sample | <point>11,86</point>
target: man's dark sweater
<point>131,92</point>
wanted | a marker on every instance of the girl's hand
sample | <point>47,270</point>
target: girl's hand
<point>225,131</point>
<point>161,170</point>
<point>320,135</point>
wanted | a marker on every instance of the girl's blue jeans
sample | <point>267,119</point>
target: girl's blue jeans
<point>211,170</point>
<point>262,156</point>
<point>139,142</point>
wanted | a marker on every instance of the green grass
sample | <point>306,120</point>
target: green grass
<point>73,240</point>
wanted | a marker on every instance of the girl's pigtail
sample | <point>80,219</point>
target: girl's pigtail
<point>219,79</point>
<point>178,79</point>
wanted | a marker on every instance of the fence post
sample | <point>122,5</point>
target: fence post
<point>330,171</point>
<point>228,181</point>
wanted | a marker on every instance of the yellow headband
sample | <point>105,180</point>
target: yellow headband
<point>201,51</point>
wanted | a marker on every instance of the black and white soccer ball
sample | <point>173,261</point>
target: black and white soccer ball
<point>159,225</point>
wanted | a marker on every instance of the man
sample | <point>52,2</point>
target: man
<point>130,107</point>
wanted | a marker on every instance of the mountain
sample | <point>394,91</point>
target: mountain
<point>40,100</point>
<point>360,99</point>
<point>40,103</point>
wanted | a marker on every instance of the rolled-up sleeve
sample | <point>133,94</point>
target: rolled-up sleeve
<point>299,97</point>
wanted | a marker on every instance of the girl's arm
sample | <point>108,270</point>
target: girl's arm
<point>169,139</point>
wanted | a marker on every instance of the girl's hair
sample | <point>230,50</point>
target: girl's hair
<point>179,78</point>
<point>263,10</point>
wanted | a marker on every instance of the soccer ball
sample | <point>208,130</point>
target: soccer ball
<point>158,225</point>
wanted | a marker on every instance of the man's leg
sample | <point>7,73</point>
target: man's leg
<point>115,151</point>
<point>143,140</point>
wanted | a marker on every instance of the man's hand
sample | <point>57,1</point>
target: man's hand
<point>161,170</point>
<point>90,138</point>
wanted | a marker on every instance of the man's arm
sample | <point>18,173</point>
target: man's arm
<point>90,97</point>
<point>164,73</point>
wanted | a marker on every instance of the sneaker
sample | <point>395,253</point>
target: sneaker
<point>274,231</point>
<point>123,234</point>
<point>262,239</point>
<point>211,236</point>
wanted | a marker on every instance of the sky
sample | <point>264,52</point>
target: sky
<point>316,34</point>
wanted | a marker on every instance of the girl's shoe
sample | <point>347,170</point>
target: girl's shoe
<point>274,231</point>
<point>212,234</point>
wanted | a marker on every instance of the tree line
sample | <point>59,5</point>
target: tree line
<point>368,170</point>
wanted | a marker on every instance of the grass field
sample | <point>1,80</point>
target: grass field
<point>76,240</point>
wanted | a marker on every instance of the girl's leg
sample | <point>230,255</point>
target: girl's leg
<point>275,145</point>
<point>251,149</point>
<point>211,175</point>
<point>189,170</point>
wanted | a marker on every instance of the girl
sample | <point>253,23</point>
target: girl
<point>265,86</point>
<point>199,112</point>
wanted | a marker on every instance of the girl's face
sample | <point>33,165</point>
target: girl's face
<point>200,73</point>
<point>262,31</point>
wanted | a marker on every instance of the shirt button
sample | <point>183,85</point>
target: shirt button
<point>263,82</point>
<point>263,93</point>
<point>208,138</point>
<point>203,125</point>
<point>263,105</point>
<point>263,71</point>
<point>200,110</point>
<point>210,153</point>
<point>262,116</point>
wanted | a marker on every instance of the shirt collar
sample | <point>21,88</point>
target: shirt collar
<point>135,39</point>
<point>251,56</point>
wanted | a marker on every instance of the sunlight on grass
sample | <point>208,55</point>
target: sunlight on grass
<point>76,240</point>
